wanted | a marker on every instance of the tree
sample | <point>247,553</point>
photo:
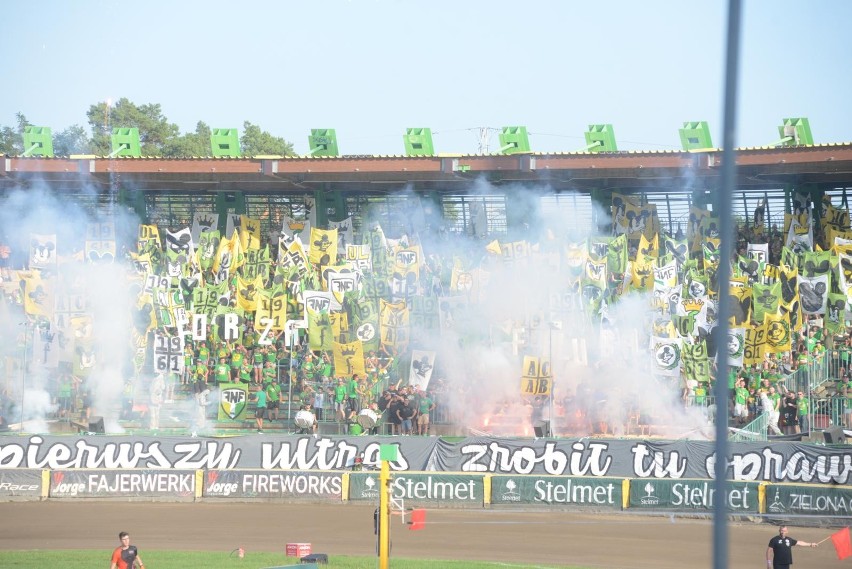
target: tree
<point>154,129</point>
<point>256,142</point>
<point>72,140</point>
<point>11,142</point>
<point>190,144</point>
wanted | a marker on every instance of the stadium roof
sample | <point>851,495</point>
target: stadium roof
<point>759,167</point>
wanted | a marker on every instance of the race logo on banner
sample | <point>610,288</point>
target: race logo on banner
<point>422,364</point>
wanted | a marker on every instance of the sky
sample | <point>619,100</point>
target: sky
<point>372,68</point>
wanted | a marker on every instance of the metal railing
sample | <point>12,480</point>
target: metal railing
<point>754,431</point>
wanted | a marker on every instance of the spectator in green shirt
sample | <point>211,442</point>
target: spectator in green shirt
<point>222,372</point>
<point>258,356</point>
<point>273,403</point>
<point>238,358</point>
<point>260,409</point>
<point>741,402</point>
<point>204,352</point>
<point>270,373</point>
<point>426,406</point>
<point>340,399</point>
<point>804,405</point>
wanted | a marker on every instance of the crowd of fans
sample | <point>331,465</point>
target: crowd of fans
<point>279,377</point>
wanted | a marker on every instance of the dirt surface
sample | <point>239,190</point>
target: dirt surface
<point>612,541</point>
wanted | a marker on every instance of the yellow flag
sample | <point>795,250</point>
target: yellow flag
<point>323,246</point>
<point>535,376</point>
<point>648,249</point>
<point>247,293</point>
<point>393,323</point>
<point>249,233</point>
<point>339,325</point>
<point>740,306</point>
<point>494,248</point>
<point>228,256</point>
<point>643,276</point>
<point>349,358</point>
<point>755,345</point>
<point>271,309</point>
<point>38,294</point>
<point>147,233</point>
<point>777,333</point>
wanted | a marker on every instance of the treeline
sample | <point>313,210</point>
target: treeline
<point>157,136</point>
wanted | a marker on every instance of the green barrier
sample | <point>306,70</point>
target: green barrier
<point>808,500</point>
<point>691,495</point>
<point>557,490</point>
<point>433,487</point>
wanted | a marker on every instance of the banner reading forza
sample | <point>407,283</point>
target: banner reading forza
<point>594,492</point>
<point>115,483</point>
<point>743,497</point>
<point>757,462</point>
<point>307,485</point>
<point>437,487</point>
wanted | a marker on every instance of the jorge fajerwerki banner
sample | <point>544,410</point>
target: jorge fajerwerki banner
<point>557,491</point>
<point>122,483</point>
<point>294,485</point>
<point>20,483</point>
<point>625,458</point>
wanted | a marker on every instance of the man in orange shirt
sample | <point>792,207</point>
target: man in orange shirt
<point>125,556</point>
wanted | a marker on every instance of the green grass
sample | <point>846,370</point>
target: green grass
<point>86,559</point>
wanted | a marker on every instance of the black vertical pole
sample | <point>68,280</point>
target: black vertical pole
<point>724,199</point>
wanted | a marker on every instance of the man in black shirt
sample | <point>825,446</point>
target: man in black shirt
<point>779,554</point>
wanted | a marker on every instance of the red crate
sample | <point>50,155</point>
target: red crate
<point>298,549</point>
